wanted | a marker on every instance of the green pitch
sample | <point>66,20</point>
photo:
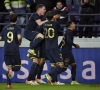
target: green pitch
<point>22,86</point>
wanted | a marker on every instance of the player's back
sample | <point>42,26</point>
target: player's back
<point>51,30</point>
<point>32,25</point>
<point>67,42</point>
<point>10,32</point>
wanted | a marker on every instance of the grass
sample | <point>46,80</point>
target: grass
<point>23,86</point>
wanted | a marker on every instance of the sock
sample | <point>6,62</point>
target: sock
<point>33,71</point>
<point>35,43</point>
<point>54,70</point>
<point>40,69</point>
<point>73,72</point>
<point>15,68</point>
<point>8,80</point>
<point>54,77</point>
<point>62,70</point>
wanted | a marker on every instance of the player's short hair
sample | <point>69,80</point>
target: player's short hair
<point>39,6</point>
<point>59,2</point>
<point>55,12</point>
<point>68,23</point>
<point>49,15</point>
<point>13,17</point>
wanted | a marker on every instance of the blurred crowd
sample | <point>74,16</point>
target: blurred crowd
<point>65,6</point>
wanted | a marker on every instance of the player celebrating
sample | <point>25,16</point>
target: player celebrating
<point>67,43</point>
<point>35,37</point>
<point>51,29</point>
<point>11,34</point>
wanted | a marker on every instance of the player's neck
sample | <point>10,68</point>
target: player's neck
<point>38,13</point>
<point>54,20</point>
<point>13,23</point>
<point>70,29</point>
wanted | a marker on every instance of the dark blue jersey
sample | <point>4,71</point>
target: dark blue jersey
<point>32,25</point>
<point>67,42</point>
<point>9,34</point>
<point>51,30</point>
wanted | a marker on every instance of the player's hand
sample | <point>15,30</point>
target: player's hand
<point>77,46</point>
<point>11,12</point>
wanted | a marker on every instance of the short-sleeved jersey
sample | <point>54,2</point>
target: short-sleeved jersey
<point>67,42</point>
<point>32,25</point>
<point>51,30</point>
<point>9,34</point>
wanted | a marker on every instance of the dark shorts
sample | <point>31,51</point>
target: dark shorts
<point>43,50</point>
<point>12,60</point>
<point>54,55</point>
<point>68,59</point>
<point>30,35</point>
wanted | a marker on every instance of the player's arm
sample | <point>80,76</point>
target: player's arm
<point>69,40</point>
<point>19,38</point>
<point>2,35</point>
<point>1,39</point>
<point>39,22</point>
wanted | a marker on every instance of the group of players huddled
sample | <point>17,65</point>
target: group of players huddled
<point>42,32</point>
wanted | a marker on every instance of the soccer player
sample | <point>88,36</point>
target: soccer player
<point>67,43</point>
<point>51,29</point>
<point>35,37</point>
<point>11,34</point>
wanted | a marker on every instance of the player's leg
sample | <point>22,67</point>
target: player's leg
<point>33,72</point>
<point>73,70</point>
<point>16,62</point>
<point>34,68</point>
<point>8,63</point>
<point>62,69</point>
<point>54,77</point>
<point>66,63</point>
<point>34,43</point>
<point>39,37</point>
<point>41,62</point>
<point>56,56</point>
<point>35,39</point>
<point>40,69</point>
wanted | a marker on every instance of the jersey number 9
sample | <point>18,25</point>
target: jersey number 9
<point>49,33</point>
<point>10,37</point>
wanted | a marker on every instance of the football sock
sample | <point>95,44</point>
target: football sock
<point>54,76</point>
<point>15,68</point>
<point>33,71</point>
<point>35,43</point>
<point>62,70</point>
<point>40,69</point>
<point>8,79</point>
<point>54,70</point>
<point>73,72</point>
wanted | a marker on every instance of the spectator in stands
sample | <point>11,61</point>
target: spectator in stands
<point>2,17</point>
<point>17,6</point>
<point>47,4</point>
<point>69,2</point>
<point>64,11</point>
<point>87,8</point>
<point>97,6</point>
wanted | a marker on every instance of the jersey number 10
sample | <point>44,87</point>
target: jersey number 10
<point>49,33</point>
<point>10,37</point>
